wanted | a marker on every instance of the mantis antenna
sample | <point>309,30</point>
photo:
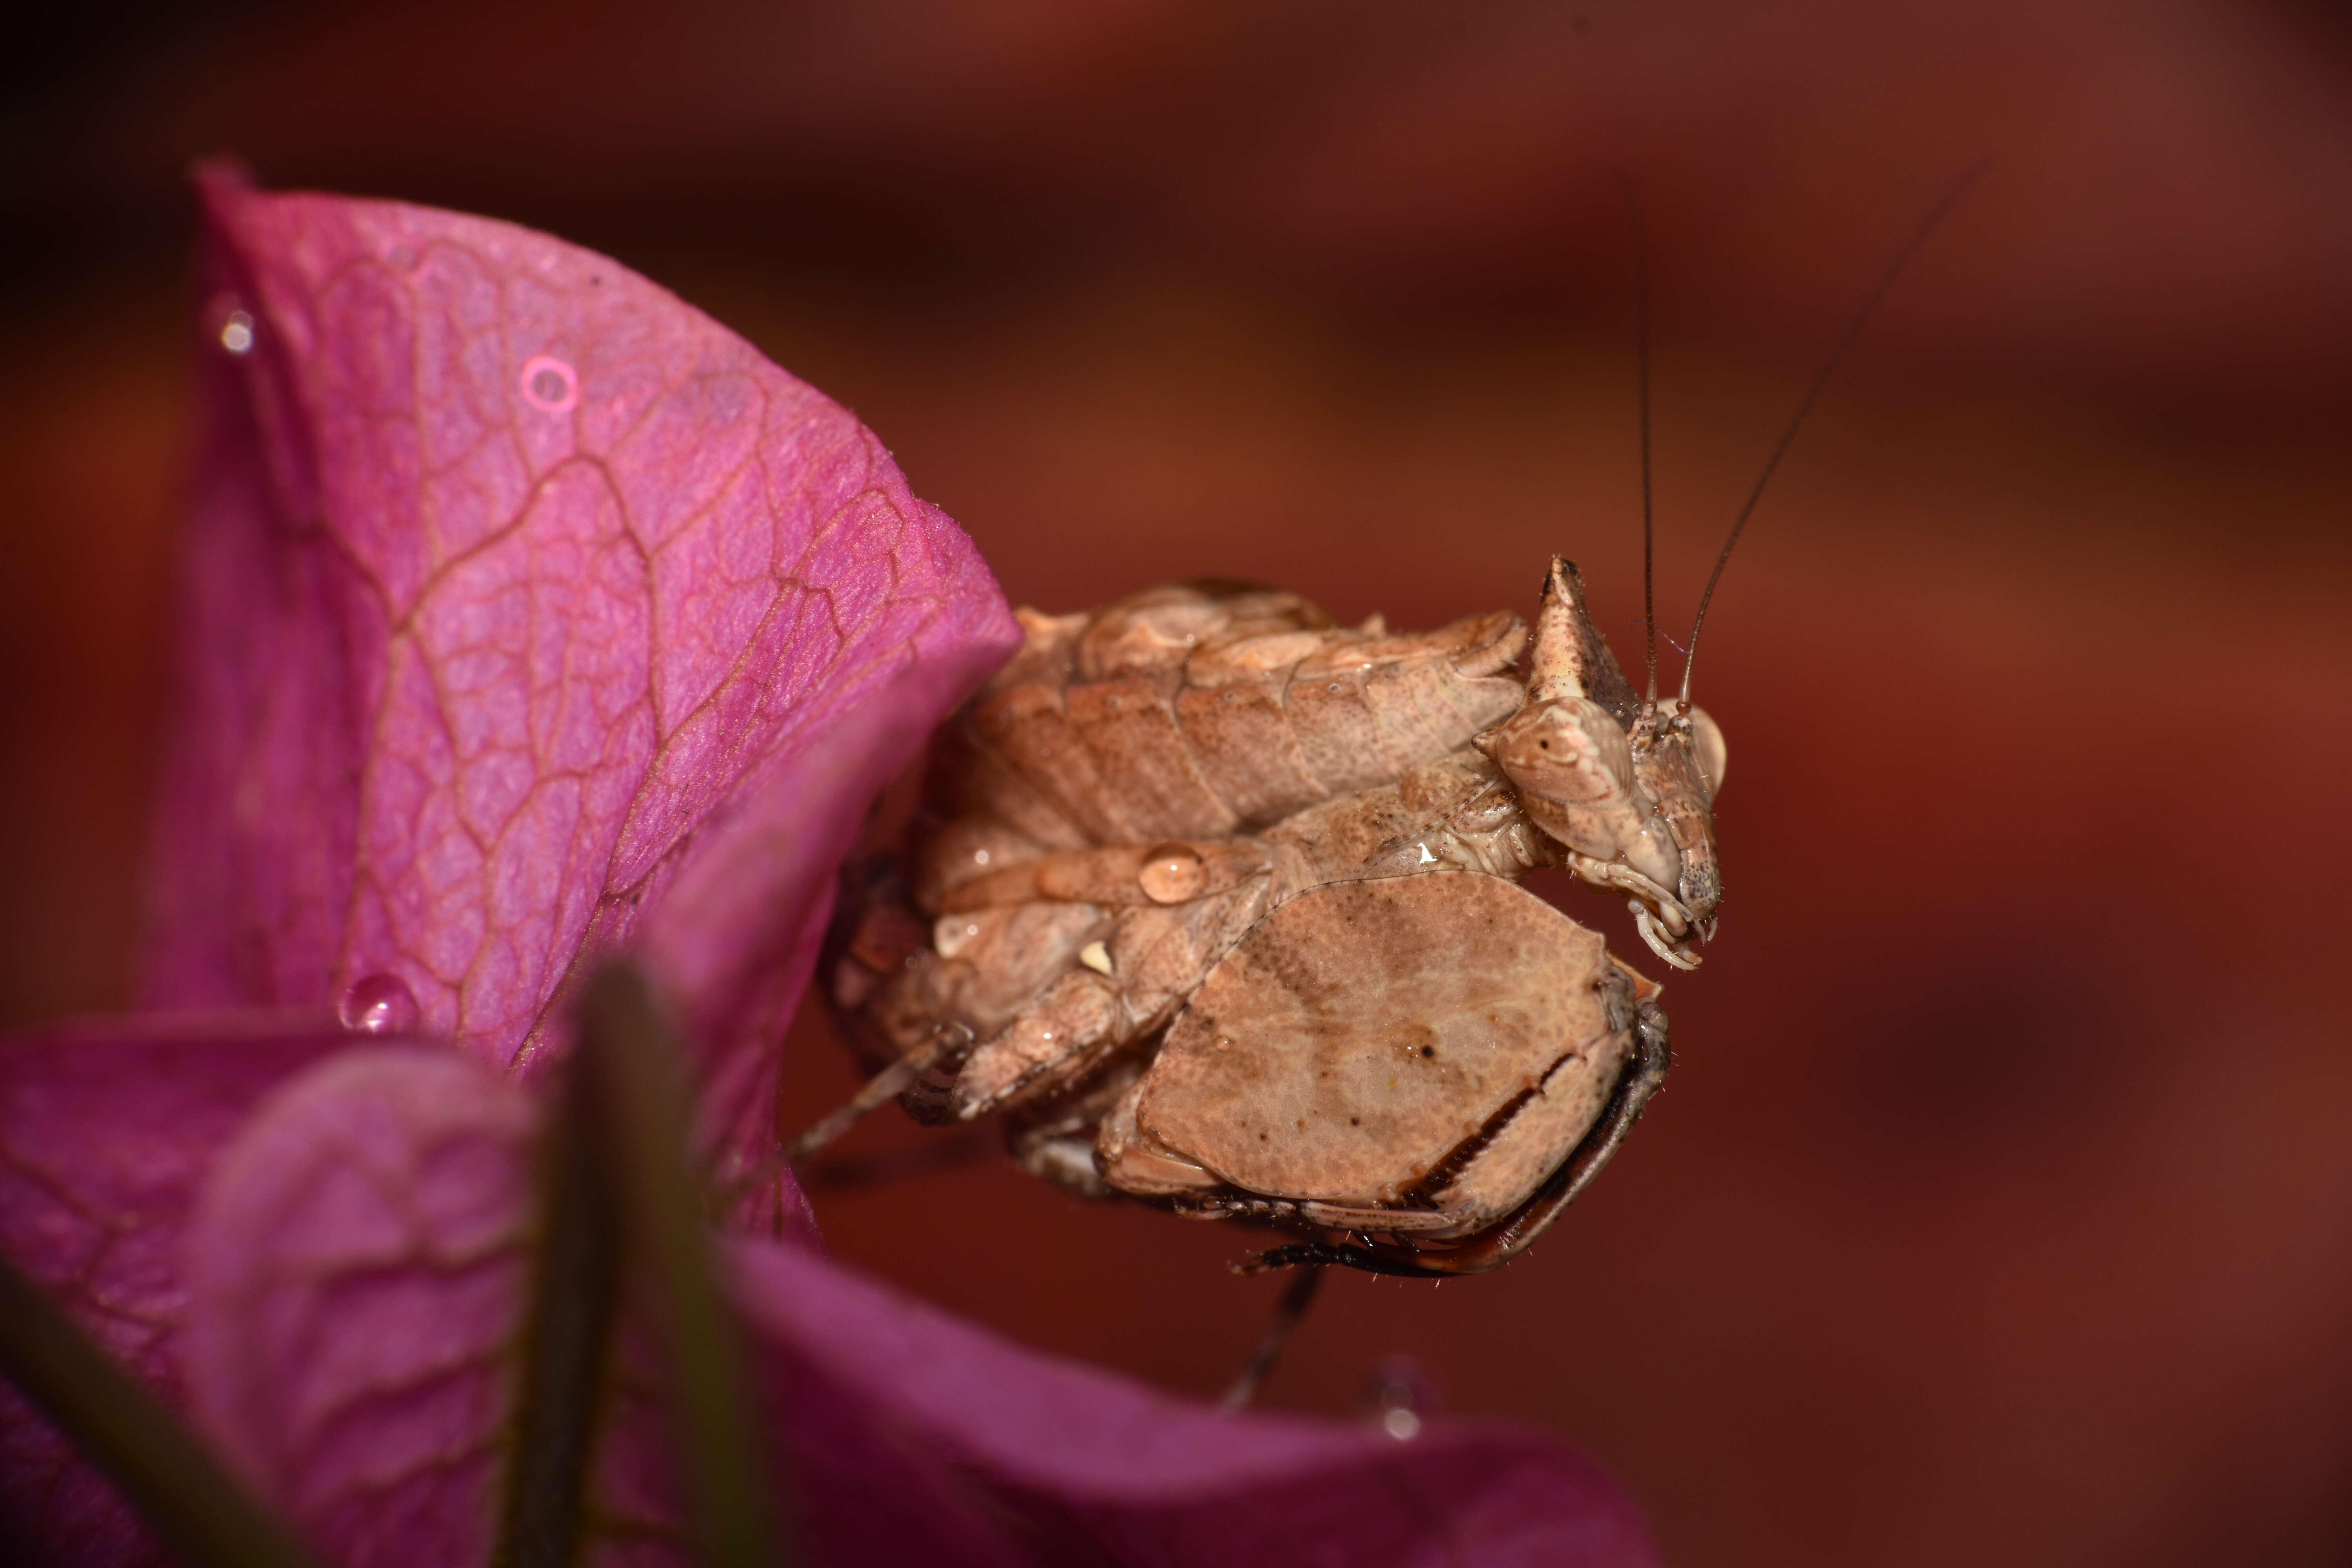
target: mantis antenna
<point>1853,330</point>
<point>1642,375</point>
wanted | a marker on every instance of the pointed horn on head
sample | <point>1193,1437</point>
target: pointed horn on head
<point>1570,659</point>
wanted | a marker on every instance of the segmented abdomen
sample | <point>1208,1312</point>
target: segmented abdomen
<point>1196,711</point>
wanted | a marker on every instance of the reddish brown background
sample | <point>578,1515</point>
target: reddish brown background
<point>1998,1209</point>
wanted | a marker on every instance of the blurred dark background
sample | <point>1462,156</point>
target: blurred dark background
<point>1999,1207</point>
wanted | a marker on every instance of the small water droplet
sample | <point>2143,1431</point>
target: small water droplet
<point>1399,1398</point>
<point>1333,688</point>
<point>236,332</point>
<point>1172,873</point>
<point>979,857</point>
<point>550,385</point>
<point>379,1004</point>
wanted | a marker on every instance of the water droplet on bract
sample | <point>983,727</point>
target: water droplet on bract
<point>1402,1424</point>
<point>379,1004</point>
<point>550,385</point>
<point>236,332</point>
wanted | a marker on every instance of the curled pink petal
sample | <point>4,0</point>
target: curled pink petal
<point>355,1273</point>
<point>526,610</point>
<point>1095,1469</point>
<point>358,1281</point>
<point>107,1130</point>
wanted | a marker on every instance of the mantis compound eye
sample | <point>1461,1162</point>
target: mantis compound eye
<point>1706,749</point>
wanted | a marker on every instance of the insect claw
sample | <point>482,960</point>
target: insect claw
<point>1674,953</point>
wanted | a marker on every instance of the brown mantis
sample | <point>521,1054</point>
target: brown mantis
<point>1219,910</point>
<point>1215,903</point>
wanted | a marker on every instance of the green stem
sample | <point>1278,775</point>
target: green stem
<point>567,1326</point>
<point>638,1114</point>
